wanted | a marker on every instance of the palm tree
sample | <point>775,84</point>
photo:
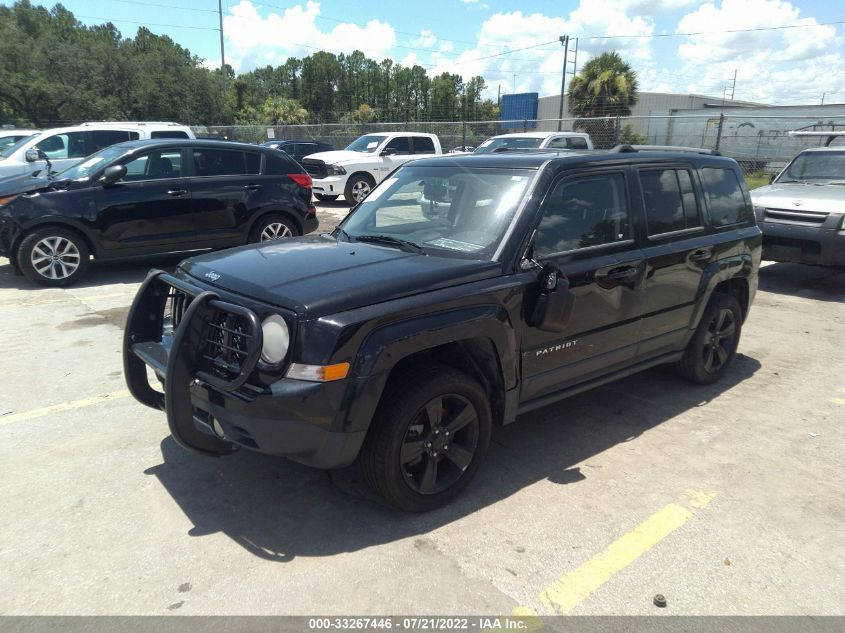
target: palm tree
<point>281,111</point>
<point>606,87</point>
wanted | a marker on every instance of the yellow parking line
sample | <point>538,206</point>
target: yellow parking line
<point>65,406</point>
<point>838,400</point>
<point>567,592</point>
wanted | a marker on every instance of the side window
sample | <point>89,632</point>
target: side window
<point>168,134</point>
<point>724,194</point>
<point>588,210</point>
<point>558,142</point>
<point>218,162</point>
<point>401,145</point>
<point>166,163</point>
<point>101,139</point>
<point>423,145</point>
<point>280,164</point>
<point>577,142</point>
<point>69,145</point>
<point>669,200</point>
<point>253,163</point>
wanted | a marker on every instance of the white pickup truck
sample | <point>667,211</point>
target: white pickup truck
<point>354,171</point>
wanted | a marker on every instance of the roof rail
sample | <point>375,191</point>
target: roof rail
<point>830,135</point>
<point>91,123</point>
<point>664,148</point>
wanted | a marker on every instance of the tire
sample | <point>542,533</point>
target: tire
<point>358,187</point>
<point>713,347</point>
<point>53,256</point>
<point>272,227</point>
<point>325,197</point>
<point>415,460</point>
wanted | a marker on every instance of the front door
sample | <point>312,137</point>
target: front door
<point>587,231</point>
<point>149,209</point>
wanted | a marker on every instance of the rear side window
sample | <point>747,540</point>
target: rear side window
<point>253,163</point>
<point>577,142</point>
<point>423,145</point>
<point>724,195</point>
<point>169,134</point>
<point>278,164</point>
<point>101,139</point>
<point>589,210</point>
<point>219,162</point>
<point>669,200</point>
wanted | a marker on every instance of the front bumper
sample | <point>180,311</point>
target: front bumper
<point>330,185</point>
<point>817,245</point>
<point>214,415</point>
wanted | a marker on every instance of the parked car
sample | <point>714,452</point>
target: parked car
<point>462,149</point>
<point>9,137</point>
<point>395,343</point>
<point>535,140</point>
<point>299,149</point>
<point>65,147</point>
<point>802,212</point>
<point>147,197</point>
<point>355,170</point>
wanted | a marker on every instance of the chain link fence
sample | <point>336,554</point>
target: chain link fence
<point>761,144</point>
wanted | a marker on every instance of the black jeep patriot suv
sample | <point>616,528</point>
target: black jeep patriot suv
<point>460,293</point>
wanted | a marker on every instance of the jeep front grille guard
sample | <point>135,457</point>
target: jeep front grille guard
<point>186,336</point>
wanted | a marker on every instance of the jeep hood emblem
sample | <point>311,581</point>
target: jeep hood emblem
<point>213,276</point>
<point>797,203</point>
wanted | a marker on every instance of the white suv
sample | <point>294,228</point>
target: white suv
<point>535,140</point>
<point>64,147</point>
<point>354,171</point>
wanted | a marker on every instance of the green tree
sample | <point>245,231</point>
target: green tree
<point>281,111</point>
<point>363,114</point>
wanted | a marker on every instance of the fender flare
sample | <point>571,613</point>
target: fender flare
<point>740,266</point>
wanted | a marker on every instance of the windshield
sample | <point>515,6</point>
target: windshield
<point>816,167</point>
<point>8,150</point>
<point>367,143</point>
<point>447,211</point>
<point>509,142</point>
<point>92,164</point>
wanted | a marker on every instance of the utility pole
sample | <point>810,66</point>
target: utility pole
<point>733,86</point>
<point>564,39</point>
<point>823,95</point>
<point>222,53</point>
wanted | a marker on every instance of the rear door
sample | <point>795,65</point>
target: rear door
<point>149,210</point>
<point>226,186</point>
<point>677,250</point>
<point>587,230</point>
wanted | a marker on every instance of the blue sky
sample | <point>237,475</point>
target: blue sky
<point>773,65</point>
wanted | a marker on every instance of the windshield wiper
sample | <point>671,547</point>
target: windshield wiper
<point>405,245</point>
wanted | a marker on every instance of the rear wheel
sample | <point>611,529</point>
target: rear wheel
<point>358,187</point>
<point>273,227</point>
<point>713,346</point>
<point>325,197</point>
<point>428,438</point>
<point>53,256</point>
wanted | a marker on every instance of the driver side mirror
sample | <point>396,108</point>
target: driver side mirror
<point>33,154</point>
<point>553,307</point>
<point>112,174</point>
<point>388,151</point>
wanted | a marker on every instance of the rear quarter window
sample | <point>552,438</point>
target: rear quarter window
<point>169,134</point>
<point>279,163</point>
<point>725,199</point>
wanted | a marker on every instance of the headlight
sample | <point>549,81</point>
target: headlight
<point>6,200</point>
<point>335,170</point>
<point>276,339</point>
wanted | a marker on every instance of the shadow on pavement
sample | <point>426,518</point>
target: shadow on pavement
<point>279,510</point>
<point>810,282</point>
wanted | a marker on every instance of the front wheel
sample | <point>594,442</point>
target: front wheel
<point>713,346</point>
<point>358,187</point>
<point>273,227</point>
<point>53,256</point>
<point>428,438</point>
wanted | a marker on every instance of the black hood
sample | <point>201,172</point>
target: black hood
<point>320,275</point>
<point>25,183</point>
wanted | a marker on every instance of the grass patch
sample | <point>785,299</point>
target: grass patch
<point>756,180</point>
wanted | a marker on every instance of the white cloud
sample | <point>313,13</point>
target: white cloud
<point>427,39</point>
<point>253,40</point>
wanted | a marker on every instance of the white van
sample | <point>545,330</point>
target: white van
<point>64,147</point>
<point>535,140</point>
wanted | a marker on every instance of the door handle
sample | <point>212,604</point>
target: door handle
<point>177,192</point>
<point>252,187</point>
<point>623,272</point>
<point>701,255</point>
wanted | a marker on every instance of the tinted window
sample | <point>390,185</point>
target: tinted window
<point>558,142</point>
<point>324,147</point>
<point>170,134</point>
<point>400,144</point>
<point>166,163</point>
<point>253,163</point>
<point>280,164</point>
<point>70,145</point>
<point>423,145</point>
<point>577,142</point>
<point>100,139</point>
<point>218,162</point>
<point>584,211</point>
<point>669,200</point>
<point>724,194</point>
